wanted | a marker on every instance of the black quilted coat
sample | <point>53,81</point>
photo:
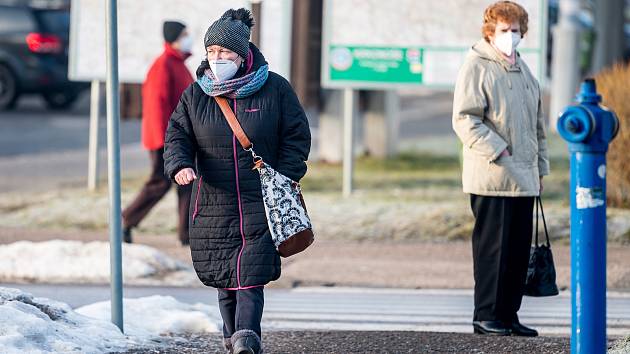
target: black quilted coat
<point>229,239</point>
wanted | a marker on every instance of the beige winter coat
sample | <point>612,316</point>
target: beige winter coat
<point>497,106</point>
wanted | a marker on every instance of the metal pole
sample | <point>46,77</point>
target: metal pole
<point>113,171</point>
<point>284,66</point>
<point>565,66</point>
<point>392,119</point>
<point>348,140</point>
<point>93,146</point>
<point>256,12</point>
<point>609,38</point>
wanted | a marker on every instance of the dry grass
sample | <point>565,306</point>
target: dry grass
<point>614,86</point>
<point>411,197</point>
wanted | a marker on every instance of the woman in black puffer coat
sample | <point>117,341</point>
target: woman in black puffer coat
<point>230,242</point>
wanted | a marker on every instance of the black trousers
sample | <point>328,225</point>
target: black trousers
<point>241,309</point>
<point>501,244</point>
<point>153,190</point>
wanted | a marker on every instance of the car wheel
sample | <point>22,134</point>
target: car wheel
<point>8,88</point>
<point>60,99</point>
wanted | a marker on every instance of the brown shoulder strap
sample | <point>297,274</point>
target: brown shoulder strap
<point>233,122</point>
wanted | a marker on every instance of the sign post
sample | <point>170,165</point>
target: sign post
<point>348,140</point>
<point>113,171</point>
<point>93,143</point>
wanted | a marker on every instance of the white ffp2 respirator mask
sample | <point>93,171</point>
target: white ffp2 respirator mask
<point>507,42</point>
<point>223,69</point>
<point>186,44</point>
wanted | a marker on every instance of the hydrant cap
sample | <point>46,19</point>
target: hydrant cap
<point>588,92</point>
<point>576,124</point>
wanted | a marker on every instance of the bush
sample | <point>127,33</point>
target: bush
<point>614,86</point>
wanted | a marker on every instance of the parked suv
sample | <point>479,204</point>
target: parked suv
<point>34,52</point>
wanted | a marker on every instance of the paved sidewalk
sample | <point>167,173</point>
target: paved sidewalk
<point>342,342</point>
<point>365,309</point>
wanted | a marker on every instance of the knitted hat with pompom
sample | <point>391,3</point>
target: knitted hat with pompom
<point>231,31</point>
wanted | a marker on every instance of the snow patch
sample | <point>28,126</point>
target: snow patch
<point>60,261</point>
<point>39,325</point>
<point>159,314</point>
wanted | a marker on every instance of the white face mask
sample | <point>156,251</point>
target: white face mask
<point>185,44</point>
<point>507,42</point>
<point>223,69</point>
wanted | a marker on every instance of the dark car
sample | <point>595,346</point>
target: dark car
<point>34,53</point>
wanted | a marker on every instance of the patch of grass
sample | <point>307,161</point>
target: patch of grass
<point>419,175</point>
<point>406,171</point>
<point>10,208</point>
<point>410,161</point>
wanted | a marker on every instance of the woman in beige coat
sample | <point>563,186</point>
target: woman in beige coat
<point>497,115</point>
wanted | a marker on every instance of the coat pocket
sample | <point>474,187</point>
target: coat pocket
<point>511,177</point>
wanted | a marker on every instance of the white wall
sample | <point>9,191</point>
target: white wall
<point>275,35</point>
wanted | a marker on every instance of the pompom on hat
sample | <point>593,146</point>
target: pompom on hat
<point>232,31</point>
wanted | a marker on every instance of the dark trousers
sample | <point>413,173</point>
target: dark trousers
<point>501,244</point>
<point>241,309</point>
<point>152,191</point>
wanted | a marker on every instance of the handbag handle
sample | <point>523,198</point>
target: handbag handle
<point>233,123</point>
<point>238,130</point>
<point>542,213</point>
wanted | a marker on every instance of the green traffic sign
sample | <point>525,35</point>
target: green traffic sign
<point>375,64</point>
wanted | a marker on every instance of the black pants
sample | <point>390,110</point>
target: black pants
<point>501,244</point>
<point>153,190</point>
<point>241,309</point>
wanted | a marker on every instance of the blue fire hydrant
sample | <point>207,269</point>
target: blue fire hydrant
<point>588,128</point>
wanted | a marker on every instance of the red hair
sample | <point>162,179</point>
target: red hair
<point>504,11</point>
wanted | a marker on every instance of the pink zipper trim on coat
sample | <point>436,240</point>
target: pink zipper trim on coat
<point>245,287</point>
<point>240,209</point>
<point>196,212</point>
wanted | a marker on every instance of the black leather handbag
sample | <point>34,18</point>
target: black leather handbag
<point>541,272</point>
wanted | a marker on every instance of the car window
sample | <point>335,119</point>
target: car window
<point>15,20</point>
<point>54,21</point>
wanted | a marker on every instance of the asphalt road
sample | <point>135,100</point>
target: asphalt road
<point>42,149</point>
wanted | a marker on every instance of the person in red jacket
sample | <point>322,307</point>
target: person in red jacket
<point>167,78</point>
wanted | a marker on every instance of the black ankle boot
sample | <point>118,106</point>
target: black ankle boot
<point>227,345</point>
<point>246,341</point>
<point>127,235</point>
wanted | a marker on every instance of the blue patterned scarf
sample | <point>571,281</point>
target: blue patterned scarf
<point>234,88</point>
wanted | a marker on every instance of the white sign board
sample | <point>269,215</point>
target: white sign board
<point>140,38</point>
<point>403,43</point>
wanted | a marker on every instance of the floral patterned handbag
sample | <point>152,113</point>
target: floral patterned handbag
<point>288,221</point>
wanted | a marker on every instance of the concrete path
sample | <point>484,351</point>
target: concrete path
<point>365,309</point>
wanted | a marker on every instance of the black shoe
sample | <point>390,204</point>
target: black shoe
<point>227,345</point>
<point>246,341</point>
<point>127,235</point>
<point>519,330</point>
<point>494,328</point>
<point>243,346</point>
